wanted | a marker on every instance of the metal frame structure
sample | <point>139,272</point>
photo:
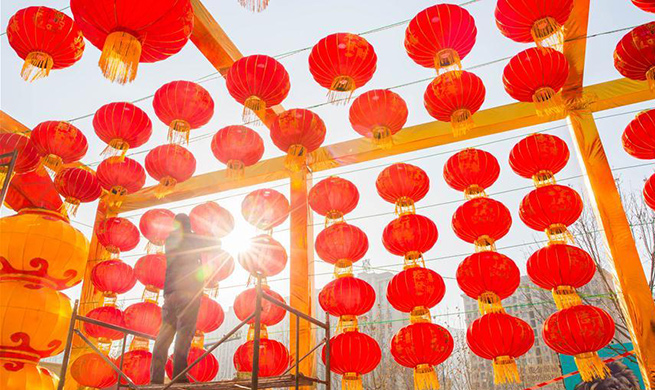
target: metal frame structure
<point>10,171</point>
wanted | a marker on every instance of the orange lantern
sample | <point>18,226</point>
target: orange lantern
<point>183,106</point>
<point>58,143</point>
<point>265,208</point>
<point>639,136</point>
<point>76,185</point>
<point>471,171</point>
<point>91,370</point>
<point>482,221</point>
<point>211,220</point>
<point>21,376</point>
<point>634,56</point>
<point>120,178</point>
<point>169,165</point>
<point>297,132</point>
<point>378,114</point>
<point>403,184</point>
<point>121,126</point>
<point>333,197</point>
<point>540,157</point>
<point>237,147</point>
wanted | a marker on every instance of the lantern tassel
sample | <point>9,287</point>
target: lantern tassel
<point>547,32</point>
<point>505,370</point>
<point>404,206</point>
<point>489,302</point>
<point>166,186</point>
<point>114,197</point>
<point>461,121</point>
<point>474,191</point>
<point>425,378</point>
<point>547,102</point>
<point>116,148</point>
<point>565,297</point>
<point>591,366</point>
<point>235,169</point>
<point>254,5</point>
<point>120,57</point>
<point>52,164</point>
<point>558,234</point>
<point>650,76</point>
<point>254,109</point>
<point>351,381</point>
<point>341,90</point>
<point>69,207</point>
<point>333,217</point>
<point>382,137</point>
<point>447,61</point>
<point>347,323</point>
<point>37,65</point>
<point>485,244</point>
<point>543,178</point>
<point>296,158</point>
<point>178,132</point>
<point>152,248</point>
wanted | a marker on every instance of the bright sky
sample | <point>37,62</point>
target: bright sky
<point>289,25</point>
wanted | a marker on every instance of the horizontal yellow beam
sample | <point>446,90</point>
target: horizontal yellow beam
<point>10,125</point>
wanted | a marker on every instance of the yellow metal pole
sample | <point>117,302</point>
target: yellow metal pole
<point>635,296</point>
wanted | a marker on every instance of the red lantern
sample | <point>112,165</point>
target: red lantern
<point>144,317</point>
<point>416,290</point>
<point>581,331</point>
<point>342,62</point>
<point>403,184</point>
<point>639,136</point>
<point>58,143</point>
<point>258,82</point>
<point>646,5</point>
<point>562,269</point>
<point>244,305</point>
<point>28,158</point>
<point>210,315</point>
<point>113,277</point>
<point>539,156</point>
<point>150,270</point>
<point>378,114</point>
<point>76,185</point>
<point>440,36</point>
<point>121,126</point>
<point>341,244</point>
<point>273,358</point>
<point>120,178</point>
<point>297,132</point>
<point>649,192</point>
<point>347,297</point>
<point>129,33</point>
<point>265,208</point>
<point>264,257</point>
<point>237,147</point>
<point>537,75</point>
<point>482,221</point>
<point>422,346</point>
<point>471,171</point>
<point>333,197</point>
<point>410,236</point>
<point>107,314</point>
<point>136,366</point>
<point>156,225</point>
<point>204,371</point>
<point>455,100</point>
<point>534,21</point>
<point>91,370</point>
<point>488,277</point>
<point>501,338</point>
<point>117,235</point>
<point>169,164</point>
<point>46,39</point>
<point>353,354</point>
<point>183,106</point>
<point>551,209</point>
<point>634,56</point>
<point>218,265</point>
<point>210,219</point>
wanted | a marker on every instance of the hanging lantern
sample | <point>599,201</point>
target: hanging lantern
<point>26,161</point>
<point>237,147</point>
<point>26,376</point>
<point>488,277</point>
<point>112,277</point>
<point>403,184</point>
<point>109,315</point>
<point>258,82</point>
<point>265,209</point>
<point>273,358</point>
<point>210,219</point>
<point>264,257</point>
<point>410,236</point>
<point>482,221</point>
<point>421,346</point>
<point>333,197</point>
<point>122,126</point>
<point>416,290</point>
<point>76,185</point>
<point>204,371</point>
<point>534,21</point>
<point>551,209</point>
<point>297,132</point>
<point>183,106</point>
<point>117,235</point>
<point>150,270</point>
<point>455,100</point>
<point>378,114</point>
<point>649,192</point>
<point>580,331</point>
<point>144,317</point>
<point>646,5</point>
<point>471,171</point>
<point>136,366</point>
<point>210,315</point>
<point>170,165</point>
<point>639,136</point>
<point>144,32</point>
<point>537,75</point>
<point>440,36</point>
<point>353,354</point>
<point>244,306</point>
<point>540,157</point>
<point>342,62</point>
<point>501,338</point>
<point>58,143</point>
<point>156,225</point>
<point>217,266</point>
<point>46,39</point>
<point>92,371</point>
<point>341,245</point>
<point>634,56</point>
<point>347,298</point>
<point>562,269</point>
<point>120,178</point>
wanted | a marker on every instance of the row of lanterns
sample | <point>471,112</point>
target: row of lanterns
<point>639,142</point>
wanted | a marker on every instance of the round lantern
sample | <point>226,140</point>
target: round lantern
<point>455,100</point>
<point>482,221</point>
<point>488,277</point>
<point>210,219</point>
<point>410,236</point>
<point>440,36</point>
<point>169,164</point>
<point>120,178</point>
<point>422,346</point>
<point>403,184</point>
<point>333,197</point>
<point>150,270</point>
<point>534,21</point>
<point>273,358</point>
<point>91,370</point>
<point>471,171</point>
<point>649,192</point>
<point>117,235</point>
<point>347,297</point>
<point>264,257</point>
<point>580,331</point>
<point>639,136</point>
<point>58,143</point>
<point>551,209</point>
<point>136,366</point>
<point>416,290</point>
<point>562,269</point>
<point>501,338</point>
<point>26,161</point>
<point>258,82</point>
<point>113,277</point>
<point>244,306</point>
<point>21,376</point>
<point>342,62</point>
<point>145,32</point>
<point>41,247</point>
<point>210,315</point>
<point>341,244</point>
<point>265,208</point>
<point>204,371</point>
<point>46,39</point>
<point>217,265</point>
<point>646,5</point>
<point>539,156</point>
<point>156,225</point>
<point>297,132</point>
<point>144,317</point>
<point>353,354</point>
<point>122,126</point>
<point>237,147</point>
<point>107,314</point>
<point>76,185</point>
<point>634,56</point>
<point>183,106</point>
<point>378,114</point>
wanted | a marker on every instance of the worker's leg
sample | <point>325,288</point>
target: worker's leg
<point>164,339</point>
<point>186,328</point>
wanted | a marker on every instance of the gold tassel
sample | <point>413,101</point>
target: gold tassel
<point>263,332</point>
<point>139,344</point>
<point>254,109</point>
<point>347,323</point>
<point>447,61</point>
<point>413,259</point>
<point>53,164</point>
<point>543,178</point>
<point>461,121</point>
<point>166,186</point>
<point>343,268</point>
<point>178,132</point>
<point>547,102</point>
<point>236,169</point>
<point>120,57</point>
<point>404,206</point>
<point>650,76</point>
<point>116,149</point>
<point>333,217</point>
<point>558,234</point>
<point>425,378</point>
<point>547,32</point>
<point>485,244</point>
<point>591,366</point>
<point>505,370</point>
<point>382,137</point>
<point>150,294</point>
<point>474,191</point>
<point>420,314</point>
<point>351,381</point>
<point>565,297</point>
<point>152,248</point>
<point>37,65</point>
<point>296,158</point>
<point>115,197</point>
<point>341,90</point>
<point>69,208</point>
<point>489,302</point>
<point>254,5</point>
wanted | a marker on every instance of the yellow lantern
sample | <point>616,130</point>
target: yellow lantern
<point>20,376</point>
<point>40,246</point>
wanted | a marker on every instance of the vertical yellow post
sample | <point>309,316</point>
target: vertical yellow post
<point>302,268</point>
<point>635,296</point>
